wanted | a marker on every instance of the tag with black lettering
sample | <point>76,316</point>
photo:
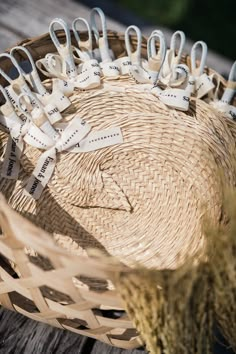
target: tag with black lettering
<point>65,87</point>
<point>175,98</point>
<point>232,112</point>
<point>190,85</point>
<point>203,85</point>
<point>11,162</point>
<point>110,69</point>
<point>140,75</point>
<point>124,65</point>
<point>88,79</point>
<point>41,174</point>
<point>53,113</point>
<point>98,140</point>
<point>229,110</point>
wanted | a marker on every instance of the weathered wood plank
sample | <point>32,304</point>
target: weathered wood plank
<point>26,18</point>
<point>19,334</point>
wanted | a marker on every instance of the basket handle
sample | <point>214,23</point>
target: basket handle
<point>65,50</point>
<point>135,56</point>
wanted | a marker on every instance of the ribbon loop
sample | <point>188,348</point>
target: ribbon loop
<point>101,41</point>
<point>35,112</point>
<point>156,59</point>
<point>85,47</point>
<point>64,50</point>
<point>135,56</point>
<point>173,46</point>
<point>32,77</point>
<point>198,71</point>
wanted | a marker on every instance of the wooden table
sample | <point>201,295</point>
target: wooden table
<point>19,334</point>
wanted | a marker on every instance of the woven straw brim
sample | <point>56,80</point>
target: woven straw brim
<point>141,201</point>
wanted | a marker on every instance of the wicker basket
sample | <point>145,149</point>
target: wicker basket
<point>141,201</point>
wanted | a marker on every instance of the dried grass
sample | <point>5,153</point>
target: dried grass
<point>174,310</point>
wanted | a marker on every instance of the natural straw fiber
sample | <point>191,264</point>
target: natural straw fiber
<point>141,201</point>
<point>141,214</point>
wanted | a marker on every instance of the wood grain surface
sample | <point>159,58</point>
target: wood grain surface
<point>19,334</point>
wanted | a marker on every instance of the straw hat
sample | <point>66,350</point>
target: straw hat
<point>141,201</point>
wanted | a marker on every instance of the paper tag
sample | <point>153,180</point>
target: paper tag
<point>56,98</point>
<point>190,85</point>
<point>65,87</point>
<point>175,98</point>
<point>203,85</point>
<point>110,69</point>
<point>11,163</point>
<point>91,64</point>
<point>140,75</point>
<point>124,65</point>
<point>60,100</point>
<point>42,174</point>
<point>88,79</point>
<point>98,140</point>
<point>12,96</point>
<point>53,113</point>
<point>229,110</point>
<point>232,112</point>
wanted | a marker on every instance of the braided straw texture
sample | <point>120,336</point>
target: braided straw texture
<point>141,201</point>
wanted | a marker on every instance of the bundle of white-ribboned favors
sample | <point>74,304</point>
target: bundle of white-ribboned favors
<point>32,109</point>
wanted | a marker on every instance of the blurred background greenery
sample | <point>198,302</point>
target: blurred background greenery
<point>210,20</point>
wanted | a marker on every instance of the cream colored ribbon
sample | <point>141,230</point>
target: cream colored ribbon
<point>16,127</point>
<point>73,134</point>
<point>200,83</point>
<point>74,138</point>
<point>224,104</point>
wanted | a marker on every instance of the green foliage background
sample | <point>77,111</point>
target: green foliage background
<point>210,20</point>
